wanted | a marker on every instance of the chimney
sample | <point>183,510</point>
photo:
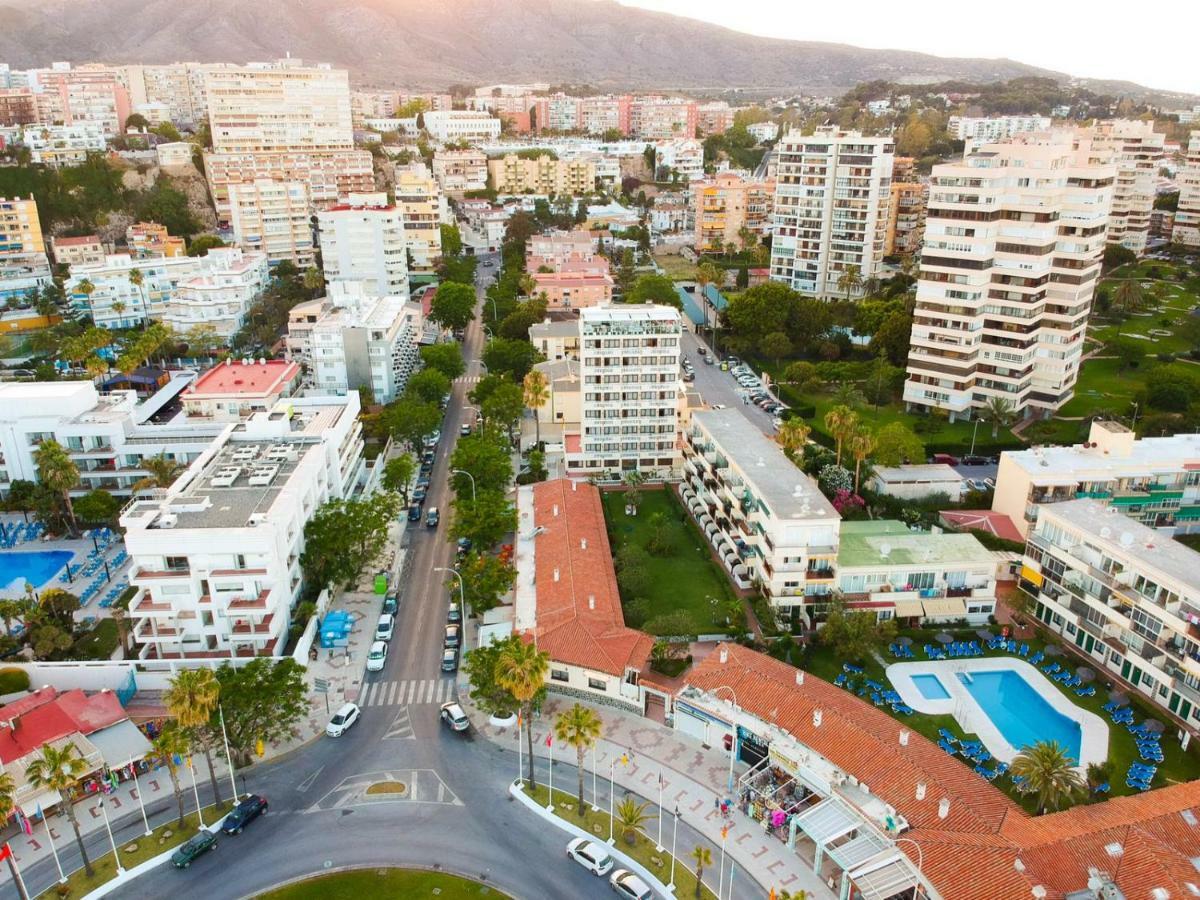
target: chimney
<point>920,790</point>
<point>943,807</point>
<point>556,510</point>
<point>724,656</point>
<point>1038,891</point>
<point>1018,864</point>
<point>816,718</point>
<point>574,486</point>
<point>799,678</point>
<point>583,544</point>
<point>556,574</point>
<point>903,737</point>
<point>591,601</point>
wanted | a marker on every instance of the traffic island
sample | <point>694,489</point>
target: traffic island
<point>355,884</point>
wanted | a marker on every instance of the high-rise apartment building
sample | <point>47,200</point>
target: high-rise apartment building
<point>363,240</point>
<point>994,128</point>
<point>420,202</point>
<point>731,211</point>
<point>832,193</point>
<point>660,118</point>
<point>1186,230</point>
<point>714,118</point>
<point>460,170</point>
<point>272,217</point>
<point>906,218</point>
<point>1014,239</point>
<point>629,367</point>
<point>1136,150</point>
<point>17,107</point>
<point>24,266</point>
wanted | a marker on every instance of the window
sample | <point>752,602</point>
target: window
<point>597,684</point>
<point>176,563</point>
<point>559,675</point>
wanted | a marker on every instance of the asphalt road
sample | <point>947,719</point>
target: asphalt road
<point>716,386</point>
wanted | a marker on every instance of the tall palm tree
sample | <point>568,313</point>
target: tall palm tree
<point>633,488</point>
<point>841,422</point>
<point>163,471</point>
<point>138,280</point>
<point>632,816</point>
<point>850,280</point>
<point>1129,296</point>
<point>172,744</point>
<point>860,443</point>
<point>580,727</point>
<point>120,617</point>
<point>59,769</point>
<point>191,700</point>
<point>707,273</point>
<point>314,280</point>
<point>703,857</point>
<point>58,472</point>
<point>537,395</point>
<point>119,309</point>
<point>1002,412</point>
<point>7,792</point>
<point>521,670</point>
<point>1049,774</point>
<point>792,435</point>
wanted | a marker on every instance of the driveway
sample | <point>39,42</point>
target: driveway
<point>717,387</point>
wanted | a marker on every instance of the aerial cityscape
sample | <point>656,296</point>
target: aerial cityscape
<point>550,450</point>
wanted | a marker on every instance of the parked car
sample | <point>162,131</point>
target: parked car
<point>944,458</point>
<point>708,360</point>
<point>464,429</point>
<point>419,495</point>
<point>385,627</point>
<point>977,484</point>
<point>626,884</point>
<point>702,351</point>
<point>244,813</point>
<point>454,613</point>
<point>377,656</point>
<point>431,440</point>
<point>427,458</point>
<point>391,604</point>
<point>452,715</point>
<point>989,483</point>
<point>974,460</point>
<point>432,518</point>
<point>689,376</point>
<point>592,856</point>
<point>193,848</point>
<point>343,720</point>
<point>414,512</point>
<point>449,660</point>
<point>452,636</point>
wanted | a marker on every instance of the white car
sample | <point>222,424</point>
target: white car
<point>386,627</point>
<point>453,716</point>
<point>343,719</point>
<point>377,656</point>
<point>626,884</point>
<point>592,856</point>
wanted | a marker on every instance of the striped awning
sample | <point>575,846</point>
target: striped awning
<point>885,877</point>
<point>945,606</point>
<point>911,607</point>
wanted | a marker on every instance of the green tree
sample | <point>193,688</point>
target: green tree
<point>428,385</point>
<point>162,469</point>
<point>578,727</point>
<point>60,769</point>
<point>482,666</point>
<point>137,122</point>
<point>191,699</point>
<point>203,339</point>
<point>313,280</point>
<point>398,474</point>
<point>702,857</point>
<point>262,700</point>
<point>1128,351</point>
<point>841,421</point>
<point>202,243</point>
<point>1001,413</point>
<point>850,280</point>
<point>521,670</point>
<point>410,419</point>
<point>792,436</point>
<point>893,338</point>
<point>97,507</point>
<point>1129,297</point>
<point>853,635</point>
<point>483,520</point>
<point>654,289</point>
<point>860,443</point>
<point>452,244</point>
<point>633,489</point>
<point>486,579</point>
<point>453,306</point>
<point>446,358</point>
<point>344,535</point>
<point>537,394</point>
<point>486,458</point>
<point>896,444</point>
<point>168,746</point>
<point>503,407</point>
<point>58,472</point>
<point>776,345</point>
<point>632,563</point>
<point>631,816</point>
<point>504,356</point>
<point>1049,774</point>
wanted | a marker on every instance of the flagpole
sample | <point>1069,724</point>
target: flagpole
<point>16,873</point>
<point>228,756</point>
<point>659,846</point>
<point>196,789</point>
<point>116,857</point>
<point>674,835</point>
<point>62,878</point>
<point>138,788</point>
<point>732,865</point>
<point>550,797</point>
<point>611,771</point>
<point>595,796</point>
<point>520,757</point>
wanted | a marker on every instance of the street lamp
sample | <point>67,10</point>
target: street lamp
<point>974,431</point>
<point>733,735</point>
<point>469,475</point>
<point>462,602</point>
<point>920,856</point>
<point>674,834</point>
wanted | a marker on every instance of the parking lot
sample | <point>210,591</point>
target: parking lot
<point>721,388</point>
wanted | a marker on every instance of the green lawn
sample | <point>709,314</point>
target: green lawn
<point>99,643</point>
<point>642,848</point>
<point>676,267</point>
<point>1102,386</point>
<point>383,883</point>
<point>688,579</point>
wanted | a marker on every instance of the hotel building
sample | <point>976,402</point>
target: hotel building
<point>1186,230</point>
<point>363,240</point>
<point>273,217</point>
<point>461,125</point>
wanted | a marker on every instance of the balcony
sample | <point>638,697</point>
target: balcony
<point>250,603</point>
<point>263,627</point>
<point>140,573</point>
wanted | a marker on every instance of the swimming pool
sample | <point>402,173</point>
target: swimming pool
<point>35,567</point>
<point>931,687</point>
<point>1020,713</point>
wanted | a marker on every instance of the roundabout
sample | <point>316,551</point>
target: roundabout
<point>356,883</point>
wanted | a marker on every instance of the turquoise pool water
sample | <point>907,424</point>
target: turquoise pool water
<point>34,567</point>
<point>1020,713</point>
<point>931,687</point>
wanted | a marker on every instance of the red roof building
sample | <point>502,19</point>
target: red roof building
<point>984,520</point>
<point>234,390</point>
<point>46,715</point>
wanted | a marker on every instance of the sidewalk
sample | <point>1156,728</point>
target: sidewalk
<point>696,780</point>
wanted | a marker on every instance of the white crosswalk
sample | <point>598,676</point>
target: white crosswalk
<point>406,693</point>
<point>468,379</point>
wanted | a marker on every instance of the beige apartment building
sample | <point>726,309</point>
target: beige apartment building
<point>906,218</point>
<point>77,251</point>
<point>420,202</point>
<point>458,171</point>
<point>832,193</point>
<point>514,174</point>
<point>273,218</point>
<point>1136,150</point>
<point>328,175</point>
<point>150,240</point>
<point>727,206</point>
<point>574,286</point>
<point>1186,230</point>
<point>1014,239</point>
<point>20,227</point>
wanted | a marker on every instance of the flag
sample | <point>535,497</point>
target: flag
<point>661,781</point>
<point>548,740</point>
<point>5,851</point>
<point>624,759</point>
<point>771,896</point>
<point>724,832</point>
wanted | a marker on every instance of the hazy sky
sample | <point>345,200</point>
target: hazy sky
<point>1156,48</point>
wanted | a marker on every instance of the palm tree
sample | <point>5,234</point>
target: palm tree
<point>172,744</point>
<point>1002,412</point>
<point>120,617</point>
<point>314,280</point>
<point>848,394</point>
<point>703,857</point>
<point>707,273</point>
<point>119,308</point>
<point>58,472</point>
<point>633,484</point>
<point>850,280</point>
<point>521,670</point>
<point>580,727</point>
<point>860,443</point>
<point>792,435</point>
<point>1049,773</point>
<point>527,284</point>
<point>632,816</point>
<point>138,280</point>
<point>537,395</point>
<point>192,699</point>
<point>841,422</point>
<point>59,769</point>
<point>1129,296</point>
<point>163,471</point>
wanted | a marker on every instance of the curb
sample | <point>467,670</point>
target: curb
<point>337,870</point>
<point>140,869</point>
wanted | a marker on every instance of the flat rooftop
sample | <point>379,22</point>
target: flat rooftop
<point>887,542</point>
<point>554,328</point>
<point>1154,453</point>
<point>248,378</point>
<point>771,475</point>
<point>929,472</point>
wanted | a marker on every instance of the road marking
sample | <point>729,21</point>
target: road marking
<point>308,782</point>
<point>401,727</point>
<point>408,692</point>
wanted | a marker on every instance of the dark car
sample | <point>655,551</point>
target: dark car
<point>974,460</point>
<point>432,518</point>
<point>452,637</point>
<point>193,848</point>
<point>391,603</point>
<point>453,614</point>
<point>414,512</point>
<point>419,495</point>
<point>244,813</point>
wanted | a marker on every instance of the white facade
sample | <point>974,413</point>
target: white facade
<point>461,125</point>
<point>460,170</point>
<point>273,217</point>
<point>1136,150</point>
<point>217,560</point>
<point>1187,216</point>
<point>917,482</point>
<point>63,145</point>
<point>363,240</point>
<point>995,128</point>
<point>684,155</point>
<point>115,301</point>
<point>764,131</point>
<point>423,208</point>
<point>174,154</point>
<point>219,295</point>
<point>832,192</point>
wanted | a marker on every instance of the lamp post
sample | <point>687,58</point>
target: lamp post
<point>228,755</point>
<point>462,597</point>
<point>674,835</point>
<point>469,475</point>
<point>974,431</point>
<point>612,769</point>
<point>116,858</point>
<point>137,787</point>
<point>733,734</point>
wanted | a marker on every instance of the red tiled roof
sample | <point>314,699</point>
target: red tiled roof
<point>47,715</point>
<point>76,241</point>
<point>985,520</point>
<point>579,620</point>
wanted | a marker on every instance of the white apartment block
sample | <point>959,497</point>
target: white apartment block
<point>227,282</point>
<point>768,522</point>
<point>1127,596</point>
<point>683,155</point>
<point>422,205</point>
<point>115,301</point>
<point>1155,480</point>
<point>106,436</point>
<point>764,131</point>
<point>832,194</point>
<point>273,217</point>
<point>994,128</point>
<point>1014,239</point>
<point>451,126</point>
<point>362,339</point>
<point>460,170</point>
<point>217,560</point>
<point>1187,217</point>
<point>363,240</point>
<point>63,145</point>
<point>1136,150</point>
<point>629,366</point>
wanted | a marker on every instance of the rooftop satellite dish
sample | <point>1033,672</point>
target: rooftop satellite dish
<point>885,550</point>
<point>1126,539</point>
<point>1105,532</point>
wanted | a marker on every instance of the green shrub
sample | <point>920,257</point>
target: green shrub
<point>13,680</point>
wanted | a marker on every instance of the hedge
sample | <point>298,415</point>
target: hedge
<point>13,680</point>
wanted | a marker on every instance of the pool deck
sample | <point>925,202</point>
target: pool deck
<point>1093,746</point>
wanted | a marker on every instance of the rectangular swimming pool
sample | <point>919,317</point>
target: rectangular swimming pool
<point>1022,715</point>
<point>34,567</point>
<point>931,687</point>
